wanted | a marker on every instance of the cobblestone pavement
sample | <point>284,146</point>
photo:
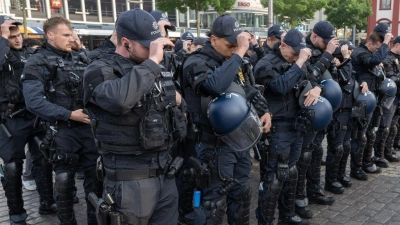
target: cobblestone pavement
<point>372,202</point>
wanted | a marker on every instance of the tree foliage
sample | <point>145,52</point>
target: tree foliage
<point>296,11</point>
<point>201,5</point>
<point>343,13</point>
<point>220,6</point>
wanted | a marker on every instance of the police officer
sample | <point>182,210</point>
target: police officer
<point>280,72</point>
<point>77,44</point>
<point>17,125</point>
<point>211,71</point>
<point>132,102</point>
<point>107,46</point>
<point>275,33</point>
<point>339,130</point>
<point>52,88</point>
<point>323,43</point>
<point>365,59</point>
<point>392,69</point>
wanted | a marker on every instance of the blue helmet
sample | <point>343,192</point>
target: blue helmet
<point>234,120</point>
<point>332,92</point>
<point>369,99</point>
<point>314,117</point>
<point>388,88</point>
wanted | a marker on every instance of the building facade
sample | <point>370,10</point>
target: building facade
<point>94,19</point>
<point>385,11</point>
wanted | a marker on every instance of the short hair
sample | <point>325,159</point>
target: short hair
<point>32,42</point>
<point>119,40</point>
<point>375,37</point>
<point>53,22</point>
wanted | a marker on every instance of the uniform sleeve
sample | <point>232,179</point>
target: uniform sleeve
<point>34,93</point>
<point>284,83</point>
<point>114,94</point>
<point>372,60</point>
<point>3,50</point>
<point>222,77</point>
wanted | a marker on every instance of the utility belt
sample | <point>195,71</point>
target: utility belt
<point>15,110</point>
<point>279,128</point>
<point>171,168</point>
<point>69,124</point>
<point>128,175</point>
<point>343,110</point>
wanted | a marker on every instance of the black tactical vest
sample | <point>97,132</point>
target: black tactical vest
<point>12,68</point>
<point>148,127</point>
<point>63,86</point>
<point>283,107</point>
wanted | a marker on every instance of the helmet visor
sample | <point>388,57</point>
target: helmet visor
<point>246,134</point>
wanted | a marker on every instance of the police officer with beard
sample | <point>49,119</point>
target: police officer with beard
<point>323,43</point>
<point>17,126</point>
<point>365,59</point>
<point>209,72</point>
<point>52,88</point>
<point>133,106</point>
<point>280,72</point>
<point>392,69</point>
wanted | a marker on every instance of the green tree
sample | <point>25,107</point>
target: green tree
<point>342,13</point>
<point>198,5</point>
<point>297,11</point>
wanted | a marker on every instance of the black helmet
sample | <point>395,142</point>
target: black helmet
<point>314,117</point>
<point>332,92</point>
<point>234,120</point>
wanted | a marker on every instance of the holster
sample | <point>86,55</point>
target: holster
<point>100,169</point>
<point>102,209</point>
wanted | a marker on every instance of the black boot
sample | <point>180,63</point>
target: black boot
<point>379,147</point>
<point>389,152</point>
<point>333,158</point>
<point>368,165</point>
<point>12,185</point>
<point>287,201</point>
<point>270,188</point>
<point>357,152</point>
<point>65,183</point>
<point>301,206</point>
<point>18,219</point>
<point>342,177</point>
<point>44,180</point>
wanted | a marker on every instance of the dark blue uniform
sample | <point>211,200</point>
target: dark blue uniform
<point>279,79</point>
<point>207,73</point>
<point>73,140</point>
<point>392,69</point>
<point>364,61</point>
<point>16,120</point>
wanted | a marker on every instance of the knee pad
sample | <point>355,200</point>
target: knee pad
<point>371,134</point>
<point>65,182</point>
<point>362,140</point>
<point>244,198</point>
<point>393,129</point>
<point>13,169</point>
<point>385,132</point>
<point>215,210</point>
<point>338,150</point>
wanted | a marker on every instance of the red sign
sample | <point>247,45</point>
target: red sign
<point>56,4</point>
<point>245,4</point>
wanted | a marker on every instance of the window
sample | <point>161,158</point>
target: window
<point>385,4</point>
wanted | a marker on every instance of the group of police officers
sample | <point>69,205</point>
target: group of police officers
<point>161,136</point>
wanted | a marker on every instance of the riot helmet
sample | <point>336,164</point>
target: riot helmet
<point>333,93</point>
<point>314,117</point>
<point>234,121</point>
<point>388,88</point>
<point>368,100</point>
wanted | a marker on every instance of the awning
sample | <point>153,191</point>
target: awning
<point>31,30</point>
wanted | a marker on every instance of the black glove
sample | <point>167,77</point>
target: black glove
<point>282,173</point>
<point>260,104</point>
<point>13,94</point>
